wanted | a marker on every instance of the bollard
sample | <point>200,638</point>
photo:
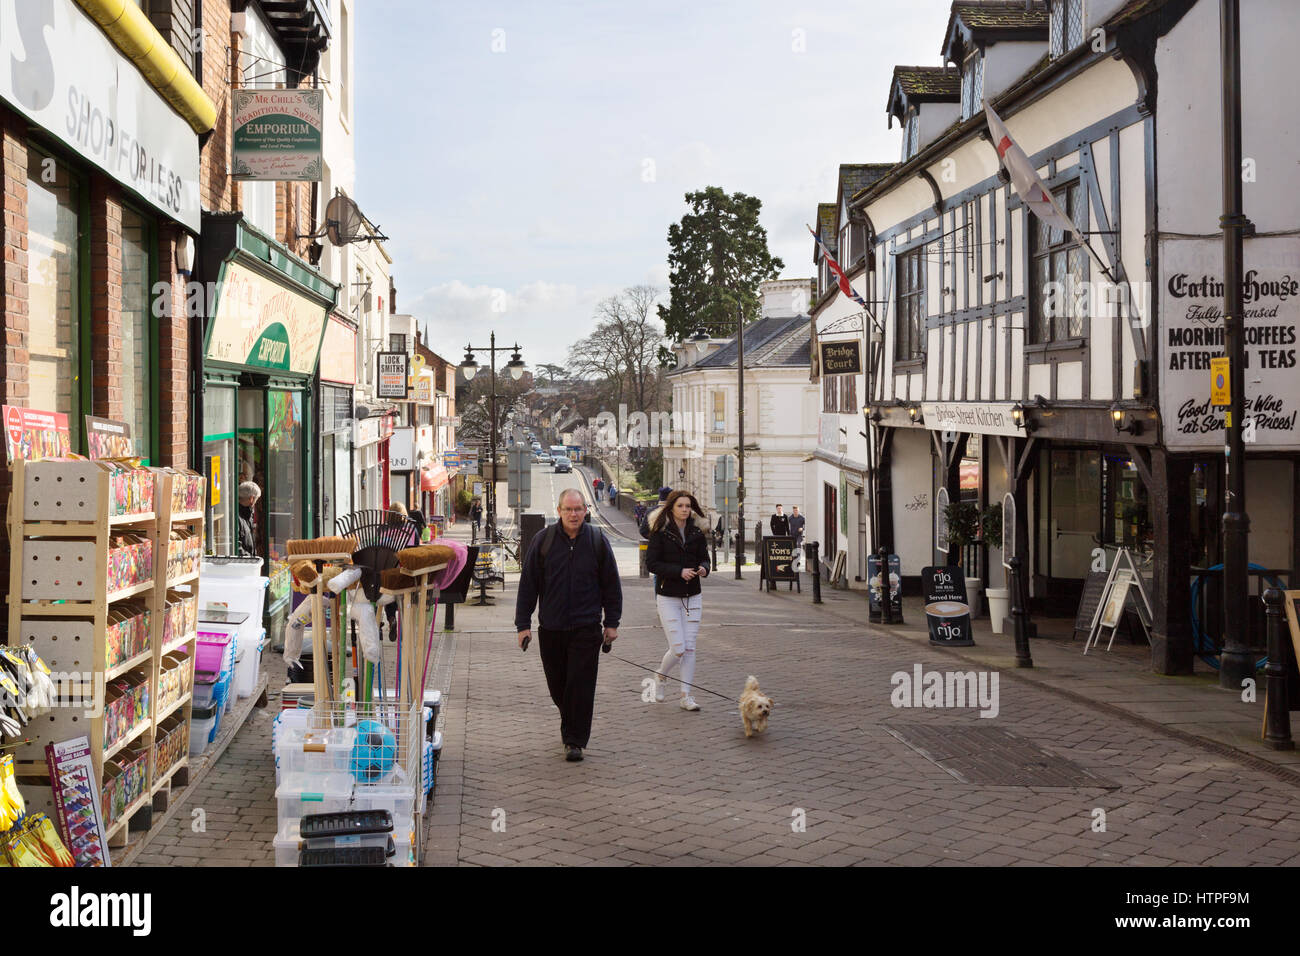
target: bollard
<point>1018,614</point>
<point>449,619</point>
<point>810,552</point>
<point>714,539</point>
<point>1277,710</point>
<point>740,557</point>
<point>886,592</point>
<point>645,571</point>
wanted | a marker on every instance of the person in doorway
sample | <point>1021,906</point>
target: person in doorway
<point>249,495</point>
<point>570,575</point>
<point>780,523</point>
<point>475,518</point>
<point>678,556</point>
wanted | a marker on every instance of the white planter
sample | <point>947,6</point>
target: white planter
<point>999,607</point>
<point>973,588</point>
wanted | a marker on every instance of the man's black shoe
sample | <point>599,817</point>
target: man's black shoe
<point>573,754</point>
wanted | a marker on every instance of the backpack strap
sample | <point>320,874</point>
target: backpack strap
<point>549,537</point>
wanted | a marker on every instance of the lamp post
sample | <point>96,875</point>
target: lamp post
<point>469,367</point>
<point>740,445</point>
<point>1236,663</point>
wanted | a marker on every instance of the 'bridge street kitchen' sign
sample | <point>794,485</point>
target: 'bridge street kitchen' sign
<point>1191,334</point>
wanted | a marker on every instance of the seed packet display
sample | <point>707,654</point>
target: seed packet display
<point>187,492</point>
<point>131,490</point>
<point>130,561</point>
<point>77,801</point>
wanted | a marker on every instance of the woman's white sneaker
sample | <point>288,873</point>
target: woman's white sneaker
<point>688,703</point>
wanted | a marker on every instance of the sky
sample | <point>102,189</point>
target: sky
<point>527,158</point>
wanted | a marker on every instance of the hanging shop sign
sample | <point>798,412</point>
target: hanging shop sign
<point>262,324</point>
<point>974,418</point>
<point>66,76</point>
<point>946,609</point>
<point>841,358</point>
<point>391,376</point>
<point>423,388</point>
<point>106,438</point>
<point>401,449</point>
<point>277,134</point>
<point>338,354</point>
<point>1191,338</point>
<point>31,434</point>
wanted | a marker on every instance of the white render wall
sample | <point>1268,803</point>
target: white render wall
<point>1189,121</point>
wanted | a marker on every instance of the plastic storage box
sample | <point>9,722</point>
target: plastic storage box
<point>288,843</point>
<point>299,750</point>
<point>249,667</point>
<point>216,649</point>
<point>302,792</point>
<point>203,722</point>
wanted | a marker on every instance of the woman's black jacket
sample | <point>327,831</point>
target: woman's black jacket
<point>667,555</point>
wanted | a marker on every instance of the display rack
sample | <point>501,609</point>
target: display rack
<point>61,523</point>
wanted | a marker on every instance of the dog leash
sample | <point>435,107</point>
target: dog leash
<point>658,674</point>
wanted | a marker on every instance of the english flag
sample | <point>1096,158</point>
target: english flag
<point>840,277</point>
<point>1024,178</point>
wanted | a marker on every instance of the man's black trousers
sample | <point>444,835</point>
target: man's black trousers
<point>570,660</point>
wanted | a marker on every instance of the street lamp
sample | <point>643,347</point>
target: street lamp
<point>469,367</point>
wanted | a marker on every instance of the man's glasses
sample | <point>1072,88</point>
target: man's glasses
<point>574,511</point>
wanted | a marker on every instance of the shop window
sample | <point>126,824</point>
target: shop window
<point>54,289</point>
<point>909,318</point>
<point>1128,518</point>
<point>137,366</point>
<point>285,493</point>
<point>220,467</point>
<point>425,414</point>
<point>1059,272</point>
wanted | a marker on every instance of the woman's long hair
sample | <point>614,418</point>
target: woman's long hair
<point>664,513</point>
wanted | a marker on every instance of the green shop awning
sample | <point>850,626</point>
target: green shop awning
<point>269,310</point>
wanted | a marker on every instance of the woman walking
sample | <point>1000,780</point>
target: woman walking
<point>678,555</point>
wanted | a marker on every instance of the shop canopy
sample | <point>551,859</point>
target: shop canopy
<point>433,477</point>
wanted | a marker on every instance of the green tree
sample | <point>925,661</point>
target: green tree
<point>717,256</point>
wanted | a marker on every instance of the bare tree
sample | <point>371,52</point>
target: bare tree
<point>623,350</point>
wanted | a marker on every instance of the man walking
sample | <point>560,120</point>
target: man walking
<point>475,519</point>
<point>570,575</point>
<point>797,522</point>
<point>780,523</point>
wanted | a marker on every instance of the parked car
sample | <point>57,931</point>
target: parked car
<point>563,464</point>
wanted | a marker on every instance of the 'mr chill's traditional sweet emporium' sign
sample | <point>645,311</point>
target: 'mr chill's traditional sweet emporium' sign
<point>262,324</point>
<point>277,134</point>
<point>1191,336</point>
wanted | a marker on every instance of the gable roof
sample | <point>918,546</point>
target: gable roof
<point>855,178</point>
<point>922,84</point>
<point>985,21</point>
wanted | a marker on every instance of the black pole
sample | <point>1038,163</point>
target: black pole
<point>491,523</point>
<point>1018,615</point>
<point>740,456</point>
<point>1277,710</point>
<point>810,551</point>
<point>1236,663</point>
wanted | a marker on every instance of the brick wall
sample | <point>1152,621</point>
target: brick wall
<point>106,298</point>
<point>173,356</point>
<point>217,190</point>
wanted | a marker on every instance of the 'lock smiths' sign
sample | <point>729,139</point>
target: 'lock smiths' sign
<point>392,379</point>
<point>841,358</point>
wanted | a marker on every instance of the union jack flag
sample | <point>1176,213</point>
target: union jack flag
<point>840,277</point>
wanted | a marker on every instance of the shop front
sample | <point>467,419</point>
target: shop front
<point>370,438</point>
<point>337,383</point>
<point>260,354</point>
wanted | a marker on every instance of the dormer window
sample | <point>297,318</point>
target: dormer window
<point>972,85</point>
<point>911,134</point>
<point>1065,30</point>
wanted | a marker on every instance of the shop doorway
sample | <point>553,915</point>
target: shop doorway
<point>1068,506</point>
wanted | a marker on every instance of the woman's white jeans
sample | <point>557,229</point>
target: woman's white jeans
<point>680,617</point>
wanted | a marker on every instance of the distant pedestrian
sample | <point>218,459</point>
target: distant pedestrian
<point>780,523</point>
<point>678,555</point>
<point>797,522</point>
<point>475,517</point>
<point>613,493</point>
<point>638,513</point>
<point>570,576</point>
<point>599,486</point>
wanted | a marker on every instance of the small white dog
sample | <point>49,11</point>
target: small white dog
<point>755,708</point>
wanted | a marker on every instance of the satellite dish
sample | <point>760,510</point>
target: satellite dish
<point>343,221</point>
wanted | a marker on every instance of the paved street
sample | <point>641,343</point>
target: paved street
<point>833,782</point>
